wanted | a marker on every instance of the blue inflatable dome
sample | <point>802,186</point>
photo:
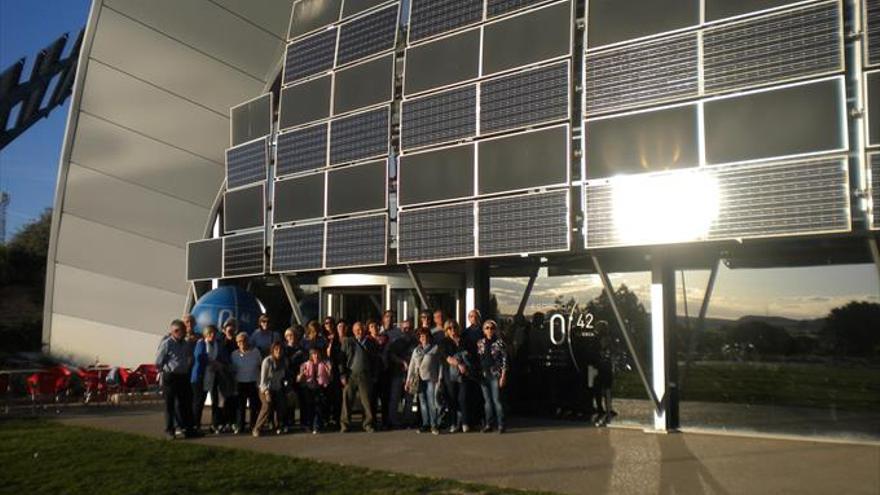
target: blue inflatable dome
<point>226,302</point>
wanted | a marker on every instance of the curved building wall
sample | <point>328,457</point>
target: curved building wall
<point>142,163</point>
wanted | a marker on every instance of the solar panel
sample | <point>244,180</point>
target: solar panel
<point>526,160</point>
<point>721,9</point>
<point>357,188</point>
<point>247,164</point>
<point>309,15</point>
<point>613,21</point>
<point>432,17</point>
<point>642,73</point>
<point>646,141</point>
<point>443,61</point>
<point>305,102</point>
<point>778,47</point>
<point>364,84</point>
<point>766,124</point>
<point>874,185</point>
<point>531,223</point>
<point>301,150</point>
<point>754,200</point>
<point>526,98</point>
<point>251,119</point>
<point>244,208</point>
<point>373,33</point>
<point>360,136</point>
<point>298,248</point>
<point>495,8</point>
<point>309,56</point>
<point>436,175</point>
<point>872,28</point>
<point>527,38</point>
<point>243,254</point>
<point>204,259</point>
<point>299,198</point>
<point>436,233</point>
<point>358,241</point>
<point>872,87</point>
<point>439,117</point>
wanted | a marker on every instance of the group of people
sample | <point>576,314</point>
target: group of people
<point>326,371</point>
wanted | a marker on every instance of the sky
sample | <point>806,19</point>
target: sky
<point>29,165</point>
<point>28,170</point>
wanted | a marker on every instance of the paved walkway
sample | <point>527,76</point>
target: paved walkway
<point>568,458</point>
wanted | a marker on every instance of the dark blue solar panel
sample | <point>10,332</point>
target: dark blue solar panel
<point>359,241</point>
<point>243,254</point>
<point>301,150</point>
<point>431,17</point>
<point>247,164</point>
<point>439,117</point>
<point>436,233</point>
<point>368,35</point>
<point>310,56</point>
<point>532,223</point>
<point>298,248</point>
<point>359,137</point>
<point>525,98</point>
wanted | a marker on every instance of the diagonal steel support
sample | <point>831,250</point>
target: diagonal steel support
<point>417,284</point>
<point>291,298</point>
<point>609,290</point>
<point>701,322</point>
<point>528,291</point>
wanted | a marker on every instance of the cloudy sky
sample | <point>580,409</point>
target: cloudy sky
<point>798,293</point>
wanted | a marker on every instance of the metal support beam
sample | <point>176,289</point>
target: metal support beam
<point>701,323</point>
<point>291,298</point>
<point>874,246</point>
<point>417,285</point>
<point>527,292</point>
<point>663,356</point>
<point>191,297</point>
<point>609,290</point>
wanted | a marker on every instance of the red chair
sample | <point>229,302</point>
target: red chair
<point>144,378</point>
<point>51,383</point>
<point>95,384</point>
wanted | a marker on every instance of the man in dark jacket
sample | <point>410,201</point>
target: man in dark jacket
<point>359,365</point>
<point>174,358</point>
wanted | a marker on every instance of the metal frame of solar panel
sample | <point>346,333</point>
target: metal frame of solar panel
<point>215,243</point>
<point>293,247</point>
<point>361,244</point>
<point>763,48</point>
<point>269,119</point>
<point>775,198</point>
<point>248,240</point>
<point>247,163</point>
<point>239,191</point>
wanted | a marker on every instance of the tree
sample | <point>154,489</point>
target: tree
<point>760,337</point>
<point>853,329</point>
<point>631,310</point>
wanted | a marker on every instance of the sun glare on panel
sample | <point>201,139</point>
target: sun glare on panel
<point>665,208</point>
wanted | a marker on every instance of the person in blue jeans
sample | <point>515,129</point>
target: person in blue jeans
<point>422,379</point>
<point>492,356</point>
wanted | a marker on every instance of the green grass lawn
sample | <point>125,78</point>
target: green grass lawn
<point>39,457</point>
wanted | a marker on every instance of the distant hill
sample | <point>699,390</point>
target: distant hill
<point>795,328</point>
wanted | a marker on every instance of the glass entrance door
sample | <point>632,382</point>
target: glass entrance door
<point>353,303</point>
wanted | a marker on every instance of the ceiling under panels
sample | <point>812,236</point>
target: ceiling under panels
<point>143,161</point>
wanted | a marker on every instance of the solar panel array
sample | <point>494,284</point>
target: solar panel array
<point>298,248</point>
<point>674,91</point>
<point>498,74</point>
<point>754,200</point>
<point>773,48</point>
